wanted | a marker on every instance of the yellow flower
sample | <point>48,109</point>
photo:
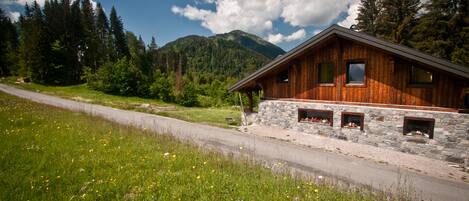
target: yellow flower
<point>316,190</point>
<point>198,177</point>
<point>174,155</point>
<point>205,162</point>
<point>193,167</point>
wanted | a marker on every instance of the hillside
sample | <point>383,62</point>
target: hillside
<point>232,54</point>
<point>252,42</point>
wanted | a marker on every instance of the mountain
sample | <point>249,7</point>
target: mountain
<point>233,54</point>
<point>252,42</point>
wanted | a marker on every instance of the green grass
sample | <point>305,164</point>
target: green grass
<point>210,116</point>
<point>53,154</point>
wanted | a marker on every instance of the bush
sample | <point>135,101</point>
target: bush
<point>162,87</point>
<point>188,96</point>
<point>120,78</point>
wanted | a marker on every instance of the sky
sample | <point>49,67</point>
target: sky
<point>285,23</point>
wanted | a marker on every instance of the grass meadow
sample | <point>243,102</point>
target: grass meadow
<point>210,116</point>
<point>53,154</point>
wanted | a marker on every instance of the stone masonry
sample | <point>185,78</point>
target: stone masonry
<point>383,127</point>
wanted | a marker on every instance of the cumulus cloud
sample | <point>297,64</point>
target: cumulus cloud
<point>312,12</point>
<point>352,14</point>
<point>247,15</point>
<point>278,38</point>
<point>258,16</point>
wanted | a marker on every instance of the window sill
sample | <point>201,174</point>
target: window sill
<point>326,84</point>
<point>355,85</point>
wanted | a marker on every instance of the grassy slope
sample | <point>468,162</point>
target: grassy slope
<point>53,154</point>
<point>211,116</point>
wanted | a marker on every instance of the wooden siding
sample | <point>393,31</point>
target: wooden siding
<point>386,79</point>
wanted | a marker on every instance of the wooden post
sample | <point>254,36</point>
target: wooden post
<point>243,121</point>
<point>251,102</point>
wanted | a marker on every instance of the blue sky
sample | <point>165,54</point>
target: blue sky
<point>283,22</point>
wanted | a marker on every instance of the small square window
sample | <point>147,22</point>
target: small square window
<point>420,76</point>
<point>416,126</point>
<point>356,72</point>
<point>282,77</point>
<point>326,73</point>
<point>353,120</point>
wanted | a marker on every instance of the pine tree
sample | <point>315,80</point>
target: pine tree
<point>368,13</point>
<point>118,36</point>
<point>397,19</point>
<point>153,54</point>
<point>443,30</point>
<point>90,35</point>
<point>8,45</point>
<point>102,30</point>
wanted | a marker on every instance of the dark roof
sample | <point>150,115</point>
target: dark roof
<point>400,50</point>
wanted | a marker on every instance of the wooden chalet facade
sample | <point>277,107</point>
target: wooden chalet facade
<point>352,86</point>
<point>321,70</point>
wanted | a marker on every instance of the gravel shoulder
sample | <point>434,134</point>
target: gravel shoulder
<point>311,162</point>
<point>415,163</point>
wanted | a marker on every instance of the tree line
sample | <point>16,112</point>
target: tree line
<point>69,42</point>
<point>437,27</point>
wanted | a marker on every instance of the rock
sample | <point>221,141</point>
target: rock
<point>145,105</point>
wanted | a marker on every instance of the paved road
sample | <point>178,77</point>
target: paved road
<point>312,162</point>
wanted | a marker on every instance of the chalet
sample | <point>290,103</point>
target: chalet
<point>352,86</point>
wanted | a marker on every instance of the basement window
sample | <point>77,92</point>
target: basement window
<point>315,116</point>
<point>326,73</point>
<point>282,77</point>
<point>416,126</point>
<point>356,72</point>
<point>420,76</point>
<point>353,120</point>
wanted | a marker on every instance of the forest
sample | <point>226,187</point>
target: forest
<point>69,42</point>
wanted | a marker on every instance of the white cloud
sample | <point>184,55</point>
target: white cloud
<point>317,31</point>
<point>352,14</point>
<point>258,16</point>
<point>278,38</point>
<point>312,12</point>
<point>247,15</point>
<point>14,16</point>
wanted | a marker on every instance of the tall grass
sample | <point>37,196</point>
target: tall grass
<point>53,154</point>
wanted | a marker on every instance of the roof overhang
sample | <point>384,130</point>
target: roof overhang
<point>336,30</point>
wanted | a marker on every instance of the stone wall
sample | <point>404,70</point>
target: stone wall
<point>383,127</point>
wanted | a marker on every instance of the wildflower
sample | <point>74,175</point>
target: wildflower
<point>316,190</point>
<point>193,167</point>
<point>91,150</point>
<point>174,155</point>
<point>205,162</point>
<point>166,154</point>
<point>211,186</point>
<point>320,177</point>
<point>240,147</point>
<point>198,177</point>
<point>213,171</point>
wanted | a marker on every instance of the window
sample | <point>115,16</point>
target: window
<point>326,73</point>
<point>420,76</point>
<point>315,116</point>
<point>282,77</point>
<point>353,120</point>
<point>356,72</point>
<point>416,126</point>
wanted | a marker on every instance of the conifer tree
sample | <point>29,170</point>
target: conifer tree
<point>368,13</point>
<point>90,35</point>
<point>397,19</point>
<point>102,30</point>
<point>118,36</point>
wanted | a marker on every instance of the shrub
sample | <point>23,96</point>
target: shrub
<point>188,96</point>
<point>120,78</point>
<point>162,87</point>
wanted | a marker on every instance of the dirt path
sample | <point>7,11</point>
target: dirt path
<point>313,162</point>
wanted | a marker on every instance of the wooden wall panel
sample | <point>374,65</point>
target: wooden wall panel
<point>387,79</point>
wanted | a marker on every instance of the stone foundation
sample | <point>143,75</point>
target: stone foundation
<point>383,127</point>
